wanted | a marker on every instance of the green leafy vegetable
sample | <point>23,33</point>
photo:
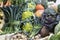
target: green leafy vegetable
<point>57,28</point>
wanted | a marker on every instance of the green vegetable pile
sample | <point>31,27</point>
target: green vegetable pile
<point>20,17</point>
<point>56,35</point>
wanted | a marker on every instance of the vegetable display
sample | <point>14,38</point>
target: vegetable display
<point>30,17</point>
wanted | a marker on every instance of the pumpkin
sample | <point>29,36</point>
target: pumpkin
<point>39,7</point>
<point>8,3</point>
<point>1,4</point>
<point>2,22</point>
<point>39,13</point>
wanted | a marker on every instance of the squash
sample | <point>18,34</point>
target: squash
<point>8,3</point>
<point>1,4</point>
<point>39,13</point>
<point>2,22</point>
<point>39,7</point>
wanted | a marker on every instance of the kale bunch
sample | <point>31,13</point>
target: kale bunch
<point>12,19</point>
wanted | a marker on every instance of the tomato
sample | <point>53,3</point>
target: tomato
<point>39,13</point>
<point>39,7</point>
